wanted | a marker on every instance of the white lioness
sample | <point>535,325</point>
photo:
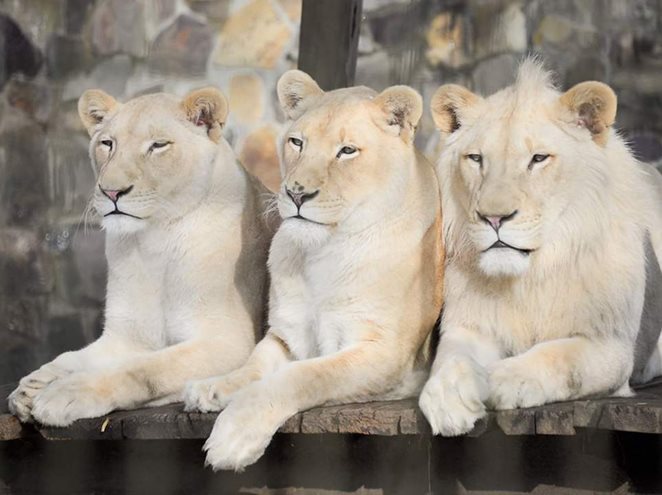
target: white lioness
<point>186,247</point>
<point>548,220</point>
<point>356,269</point>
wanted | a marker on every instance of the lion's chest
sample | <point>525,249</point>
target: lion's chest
<point>148,290</point>
<point>169,295</point>
<point>523,321</point>
<point>317,307</point>
<point>519,316</point>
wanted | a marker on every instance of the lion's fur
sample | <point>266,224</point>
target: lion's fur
<point>186,280</point>
<point>354,297</point>
<point>562,322</point>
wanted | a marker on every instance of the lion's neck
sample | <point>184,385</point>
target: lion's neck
<point>228,181</point>
<point>398,205</point>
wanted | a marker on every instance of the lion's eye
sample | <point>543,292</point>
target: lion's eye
<point>107,143</point>
<point>475,157</point>
<point>537,158</point>
<point>157,145</point>
<point>296,142</point>
<point>347,151</point>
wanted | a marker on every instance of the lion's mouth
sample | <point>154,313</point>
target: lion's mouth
<point>116,211</point>
<point>299,217</point>
<point>499,244</point>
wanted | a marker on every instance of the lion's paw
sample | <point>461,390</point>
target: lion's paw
<point>244,429</point>
<point>20,401</point>
<point>512,384</point>
<point>71,398</point>
<point>453,398</point>
<point>206,395</point>
<point>236,441</point>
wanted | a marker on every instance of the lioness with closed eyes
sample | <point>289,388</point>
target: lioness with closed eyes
<point>355,267</point>
<point>186,245</point>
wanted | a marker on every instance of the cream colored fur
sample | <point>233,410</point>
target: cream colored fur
<point>356,281</point>
<point>186,272</point>
<point>561,322</point>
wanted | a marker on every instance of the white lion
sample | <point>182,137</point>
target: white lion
<point>186,246</point>
<point>548,221</point>
<point>355,268</point>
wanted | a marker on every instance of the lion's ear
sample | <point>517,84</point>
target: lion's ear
<point>403,108</point>
<point>296,91</point>
<point>207,107</point>
<point>448,104</point>
<point>94,106</point>
<point>593,105</point>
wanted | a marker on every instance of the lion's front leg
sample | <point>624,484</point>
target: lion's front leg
<point>560,370</point>
<point>214,394</point>
<point>99,353</point>
<point>146,378</point>
<point>244,429</point>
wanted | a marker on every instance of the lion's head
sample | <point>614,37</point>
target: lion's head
<point>520,167</point>
<point>154,155</point>
<point>343,154</point>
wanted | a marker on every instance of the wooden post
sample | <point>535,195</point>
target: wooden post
<point>329,41</point>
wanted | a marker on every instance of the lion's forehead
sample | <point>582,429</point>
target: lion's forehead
<point>515,104</point>
<point>499,131</point>
<point>338,121</point>
<point>355,93</point>
<point>147,114</point>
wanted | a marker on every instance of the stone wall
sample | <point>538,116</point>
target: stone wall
<point>52,271</point>
<point>478,43</point>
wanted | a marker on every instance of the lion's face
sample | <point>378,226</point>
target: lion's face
<point>515,162</point>
<point>331,161</point>
<point>508,185</point>
<point>342,150</point>
<point>153,155</point>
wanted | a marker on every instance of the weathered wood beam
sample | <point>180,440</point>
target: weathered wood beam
<point>10,428</point>
<point>328,41</point>
<point>642,413</point>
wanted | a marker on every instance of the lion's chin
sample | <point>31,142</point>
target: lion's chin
<point>307,235</point>
<point>500,262</point>
<point>120,224</point>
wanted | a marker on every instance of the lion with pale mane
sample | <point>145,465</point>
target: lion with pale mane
<point>355,269</point>
<point>553,232</point>
<point>186,245</point>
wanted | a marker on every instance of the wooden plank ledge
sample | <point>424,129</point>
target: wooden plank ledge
<point>641,413</point>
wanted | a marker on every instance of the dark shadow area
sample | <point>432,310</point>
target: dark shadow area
<point>591,460</point>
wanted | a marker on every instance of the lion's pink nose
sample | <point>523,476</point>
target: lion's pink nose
<point>114,194</point>
<point>496,220</point>
<point>111,194</point>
